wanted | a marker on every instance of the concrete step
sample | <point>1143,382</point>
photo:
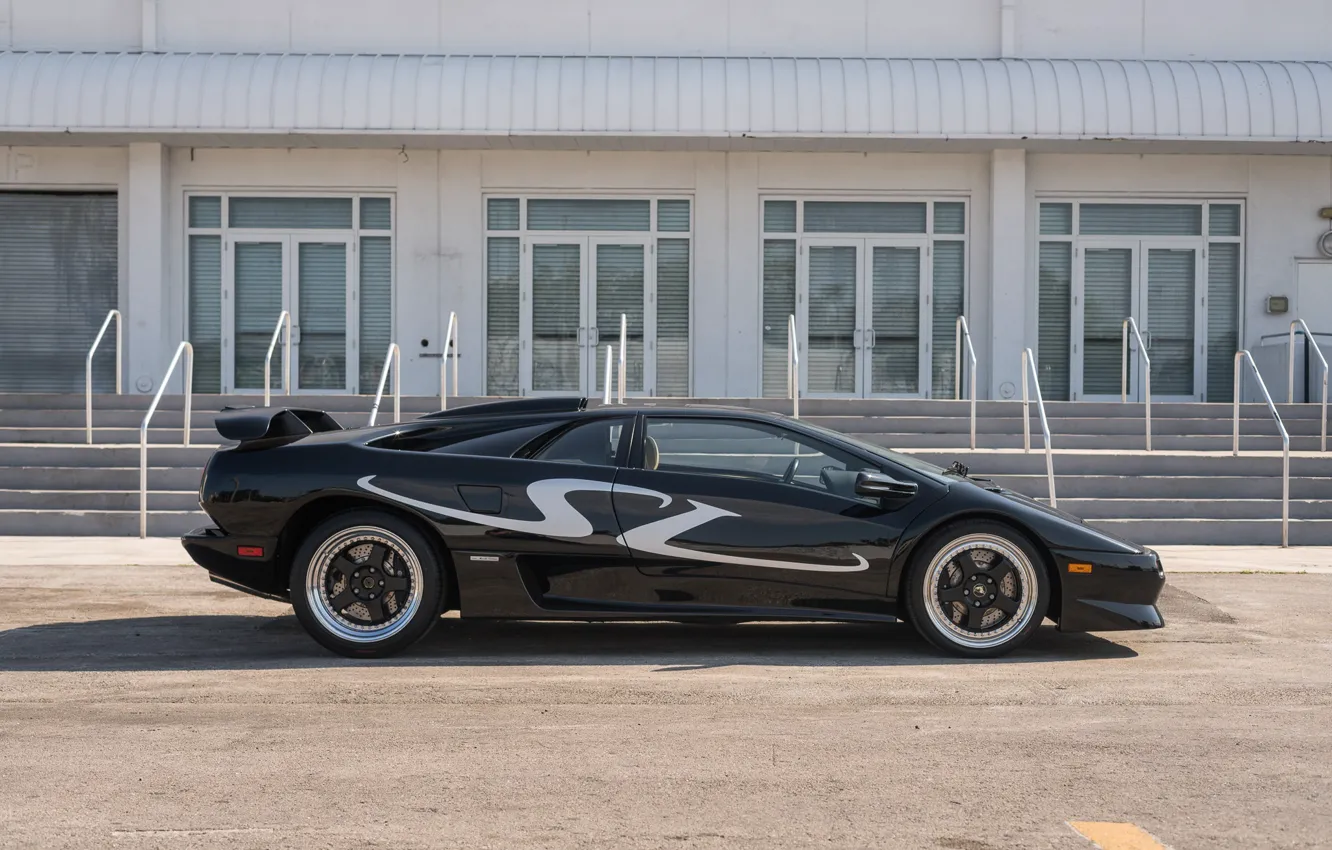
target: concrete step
<point>1059,427</point>
<point>1201,489</point>
<point>97,478</point>
<point>98,500</point>
<point>1089,442</point>
<point>1212,509</point>
<point>108,436</point>
<point>97,523</point>
<point>100,456</point>
<point>1134,463</point>
<point>1228,532</point>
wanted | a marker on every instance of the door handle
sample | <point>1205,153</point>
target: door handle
<point>594,337</point>
<point>580,335</point>
<point>856,338</point>
<point>871,338</point>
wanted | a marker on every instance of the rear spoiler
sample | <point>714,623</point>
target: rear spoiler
<point>259,426</point>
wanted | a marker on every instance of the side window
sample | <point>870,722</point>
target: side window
<point>596,443</point>
<point>749,450</point>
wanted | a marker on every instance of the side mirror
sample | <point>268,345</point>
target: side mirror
<point>878,485</point>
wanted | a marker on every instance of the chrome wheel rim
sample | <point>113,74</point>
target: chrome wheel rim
<point>364,584</point>
<point>980,590</point>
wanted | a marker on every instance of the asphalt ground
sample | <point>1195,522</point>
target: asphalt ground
<point>143,707</point>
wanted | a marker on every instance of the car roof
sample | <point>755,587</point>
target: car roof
<point>525,408</point>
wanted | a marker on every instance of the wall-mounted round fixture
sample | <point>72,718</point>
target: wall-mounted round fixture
<point>1325,244</point>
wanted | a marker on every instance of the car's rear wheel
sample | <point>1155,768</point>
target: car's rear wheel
<point>977,588</point>
<point>367,584</point>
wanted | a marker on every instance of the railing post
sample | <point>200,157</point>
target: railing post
<point>188,350</point>
<point>1290,365</point>
<point>393,359</point>
<point>624,343</point>
<point>1026,408</point>
<point>1123,366</point>
<point>284,321</point>
<point>957,358</point>
<point>450,345</point>
<point>87,377</point>
<point>793,367</point>
<point>606,380</point>
<point>1029,364</point>
<point>1239,355</point>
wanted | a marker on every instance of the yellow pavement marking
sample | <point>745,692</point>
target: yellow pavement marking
<point>1116,836</point>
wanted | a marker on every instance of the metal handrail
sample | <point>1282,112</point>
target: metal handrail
<point>1240,356</point>
<point>87,372</point>
<point>450,346</point>
<point>392,359</point>
<point>624,339</point>
<point>1290,377</point>
<point>960,332</point>
<point>793,367</point>
<point>606,380</point>
<point>284,319</point>
<point>188,349</point>
<point>1129,323</point>
<point>1029,365</point>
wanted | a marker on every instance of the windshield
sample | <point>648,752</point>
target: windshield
<point>898,458</point>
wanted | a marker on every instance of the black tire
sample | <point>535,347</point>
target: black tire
<point>962,599</point>
<point>397,593</point>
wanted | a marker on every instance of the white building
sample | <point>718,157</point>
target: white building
<point>540,167</point>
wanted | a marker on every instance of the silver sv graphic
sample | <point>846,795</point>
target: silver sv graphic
<point>561,519</point>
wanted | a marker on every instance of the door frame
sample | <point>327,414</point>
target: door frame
<point>864,334</point>
<point>525,305</point>
<point>595,346</point>
<point>290,301</point>
<point>1140,310</point>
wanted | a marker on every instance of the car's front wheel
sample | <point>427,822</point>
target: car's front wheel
<point>977,588</point>
<point>367,584</point>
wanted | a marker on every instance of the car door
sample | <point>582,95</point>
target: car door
<point>543,516</point>
<point>744,512</point>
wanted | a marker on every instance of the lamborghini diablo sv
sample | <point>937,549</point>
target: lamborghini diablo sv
<point>544,508</point>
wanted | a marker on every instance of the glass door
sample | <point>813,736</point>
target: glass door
<point>552,320</point>
<point>828,317</point>
<point>897,319</point>
<point>257,287</point>
<point>321,315</point>
<point>1171,315</point>
<point>1104,294</point>
<point>862,313</point>
<point>620,286</point>
<point>1160,286</point>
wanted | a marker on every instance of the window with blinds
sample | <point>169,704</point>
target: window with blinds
<point>881,312</point>
<point>672,317</point>
<point>59,277</point>
<point>949,290</point>
<point>1054,315</point>
<point>1169,240</point>
<point>298,265</point>
<point>779,304</point>
<point>573,244</point>
<point>502,319</point>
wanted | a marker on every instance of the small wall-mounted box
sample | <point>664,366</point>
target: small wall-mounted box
<point>1278,305</point>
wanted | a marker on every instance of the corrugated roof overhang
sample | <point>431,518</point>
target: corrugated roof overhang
<point>662,102</point>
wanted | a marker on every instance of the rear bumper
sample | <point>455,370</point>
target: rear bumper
<point>1104,592</point>
<point>216,551</point>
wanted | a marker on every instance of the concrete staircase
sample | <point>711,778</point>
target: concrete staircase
<point>1189,490</point>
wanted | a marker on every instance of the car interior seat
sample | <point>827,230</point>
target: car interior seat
<point>651,454</point>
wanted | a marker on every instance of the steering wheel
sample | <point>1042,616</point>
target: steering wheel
<point>789,476</point>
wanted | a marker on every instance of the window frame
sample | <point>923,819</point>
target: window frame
<point>227,234</point>
<point>797,436</point>
<point>653,235</point>
<point>929,237</point>
<point>1079,243</point>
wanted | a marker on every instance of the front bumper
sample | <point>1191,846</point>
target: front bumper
<point>216,551</point>
<point>1104,592</point>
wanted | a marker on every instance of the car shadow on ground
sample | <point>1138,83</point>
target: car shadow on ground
<point>229,642</point>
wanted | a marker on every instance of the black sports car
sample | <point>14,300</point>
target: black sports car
<point>542,508</point>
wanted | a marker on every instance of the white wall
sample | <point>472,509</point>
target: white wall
<point>1110,29</point>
